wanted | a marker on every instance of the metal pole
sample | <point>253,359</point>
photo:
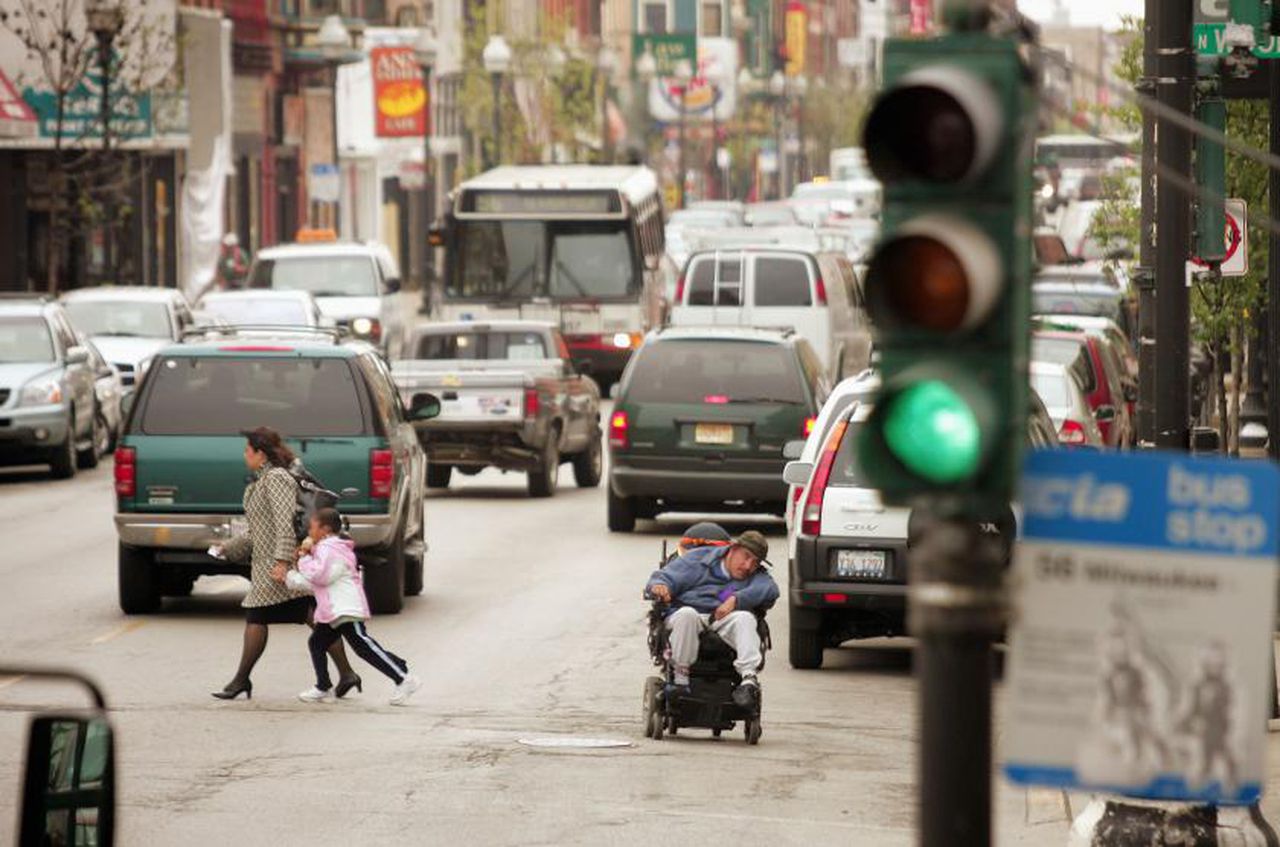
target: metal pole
<point>108,202</point>
<point>337,162</point>
<point>802,158</point>
<point>1176,74</point>
<point>1145,275</point>
<point>715,145</point>
<point>680,172</point>
<point>957,612</point>
<point>428,191</point>
<point>606,143</point>
<point>1273,283</point>
<point>496,153</point>
<point>777,134</point>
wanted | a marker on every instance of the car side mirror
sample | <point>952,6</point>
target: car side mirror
<point>391,285</point>
<point>1131,393</point>
<point>68,794</point>
<point>1105,414</point>
<point>424,407</point>
<point>797,473</point>
<point>793,449</point>
<point>77,355</point>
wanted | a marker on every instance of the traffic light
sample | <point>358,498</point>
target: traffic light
<point>947,287</point>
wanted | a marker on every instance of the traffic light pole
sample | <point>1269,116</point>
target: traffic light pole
<point>1174,80</point>
<point>1144,277</point>
<point>1273,282</point>
<point>957,612</point>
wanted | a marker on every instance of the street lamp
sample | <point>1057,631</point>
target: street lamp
<point>715,79</point>
<point>646,71</point>
<point>497,61</point>
<point>778,93</point>
<point>683,76</point>
<point>104,19</point>
<point>334,42</point>
<point>606,64</point>
<point>425,50</point>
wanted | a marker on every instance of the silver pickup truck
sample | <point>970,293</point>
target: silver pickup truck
<point>509,398</point>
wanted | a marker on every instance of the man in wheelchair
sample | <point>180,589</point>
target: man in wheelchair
<point>717,588</point>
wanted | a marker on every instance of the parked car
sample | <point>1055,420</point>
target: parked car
<point>180,475</point>
<point>263,308</point>
<point>1100,299</point>
<point>816,294</point>
<point>510,398</point>
<point>734,208</point>
<point>774,213</point>
<point>1115,346</point>
<point>701,419</point>
<point>129,324</point>
<point>108,390</point>
<point>48,410</point>
<point>1058,386</point>
<point>1105,386</point>
<point>354,285</point>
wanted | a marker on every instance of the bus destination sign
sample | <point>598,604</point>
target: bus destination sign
<point>558,203</point>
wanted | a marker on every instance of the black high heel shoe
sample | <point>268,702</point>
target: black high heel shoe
<point>346,684</point>
<point>233,690</point>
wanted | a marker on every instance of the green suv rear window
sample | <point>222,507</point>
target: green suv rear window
<point>223,395</point>
<point>738,371</point>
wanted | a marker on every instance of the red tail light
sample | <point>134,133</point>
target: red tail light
<point>126,471</point>
<point>716,399</point>
<point>619,435</point>
<point>811,518</point>
<point>382,474</point>
<point>821,288</point>
<point>834,598</point>
<point>532,403</point>
<point>1072,432</point>
<point>808,425</point>
<point>680,290</point>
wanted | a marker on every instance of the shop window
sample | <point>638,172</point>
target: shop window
<point>655,18</point>
<point>712,20</point>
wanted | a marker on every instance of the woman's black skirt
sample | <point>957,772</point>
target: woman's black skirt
<point>297,610</point>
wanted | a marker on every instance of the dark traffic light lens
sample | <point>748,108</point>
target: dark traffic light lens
<point>933,432</point>
<point>920,132</point>
<point>916,281</point>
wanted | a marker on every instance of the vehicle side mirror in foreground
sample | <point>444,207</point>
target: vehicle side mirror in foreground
<point>797,473</point>
<point>68,794</point>
<point>424,407</point>
<point>793,449</point>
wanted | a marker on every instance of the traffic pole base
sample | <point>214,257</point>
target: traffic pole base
<point>1118,822</point>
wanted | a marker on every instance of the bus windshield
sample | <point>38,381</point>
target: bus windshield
<point>559,260</point>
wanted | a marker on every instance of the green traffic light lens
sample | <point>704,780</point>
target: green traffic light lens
<point>933,432</point>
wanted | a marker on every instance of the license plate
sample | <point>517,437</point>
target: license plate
<point>860,564</point>
<point>713,433</point>
<point>239,526</point>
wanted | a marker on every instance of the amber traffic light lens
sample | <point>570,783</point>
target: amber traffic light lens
<point>921,284</point>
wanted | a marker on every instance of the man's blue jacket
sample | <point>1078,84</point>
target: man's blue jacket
<point>699,579</point>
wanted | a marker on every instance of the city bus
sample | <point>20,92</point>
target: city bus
<point>579,246</point>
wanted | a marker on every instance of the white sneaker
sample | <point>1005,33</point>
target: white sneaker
<point>405,690</point>
<point>315,695</point>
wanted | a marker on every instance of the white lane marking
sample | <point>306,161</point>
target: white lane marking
<point>123,629</point>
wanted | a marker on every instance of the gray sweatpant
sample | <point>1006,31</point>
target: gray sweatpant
<point>738,629</point>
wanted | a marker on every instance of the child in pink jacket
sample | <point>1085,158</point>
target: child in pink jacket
<point>328,568</point>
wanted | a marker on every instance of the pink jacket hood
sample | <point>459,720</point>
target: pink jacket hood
<point>332,573</point>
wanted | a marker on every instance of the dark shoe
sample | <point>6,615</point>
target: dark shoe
<point>346,684</point>
<point>671,691</point>
<point>747,694</point>
<point>235,689</point>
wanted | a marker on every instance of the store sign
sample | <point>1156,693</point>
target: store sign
<point>399,97</point>
<point>667,50</point>
<point>82,112</point>
<point>702,100</point>
<point>16,117</point>
<point>796,24</point>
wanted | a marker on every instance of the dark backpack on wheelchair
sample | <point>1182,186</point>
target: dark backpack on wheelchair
<point>709,702</point>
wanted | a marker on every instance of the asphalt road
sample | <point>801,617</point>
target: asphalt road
<point>531,626</point>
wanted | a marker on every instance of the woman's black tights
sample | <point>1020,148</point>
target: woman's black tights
<point>255,644</point>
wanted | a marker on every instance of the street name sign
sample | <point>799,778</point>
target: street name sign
<point>1144,599</point>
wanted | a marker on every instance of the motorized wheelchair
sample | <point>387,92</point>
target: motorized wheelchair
<point>712,679</point>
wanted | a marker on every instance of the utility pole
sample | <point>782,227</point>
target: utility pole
<point>1174,79</point>
<point>1273,280</point>
<point>1144,277</point>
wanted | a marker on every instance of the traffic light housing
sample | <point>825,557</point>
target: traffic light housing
<point>948,286</point>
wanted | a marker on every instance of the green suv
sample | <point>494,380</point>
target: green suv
<point>180,472</point>
<point>701,419</point>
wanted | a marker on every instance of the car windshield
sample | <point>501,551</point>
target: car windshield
<point>123,317</point>
<point>1050,302</point>
<point>520,260</point>
<point>193,395</point>
<point>240,311</point>
<point>322,276</point>
<point>1066,351</point>
<point>1052,388</point>
<point>482,345</point>
<point>690,371</point>
<point>25,340</point>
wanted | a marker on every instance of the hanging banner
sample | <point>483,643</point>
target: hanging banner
<point>399,97</point>
<point>921,17</point>
<point>796,23</point>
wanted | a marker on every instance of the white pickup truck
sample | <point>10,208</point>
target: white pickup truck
<point>509,398</point>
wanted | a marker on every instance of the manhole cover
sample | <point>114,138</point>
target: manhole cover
<point>563,742</point>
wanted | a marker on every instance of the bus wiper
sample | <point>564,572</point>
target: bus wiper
<point>573,280</point>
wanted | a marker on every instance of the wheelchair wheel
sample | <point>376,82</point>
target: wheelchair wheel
<point>651,712</point>
<point>751,729</point>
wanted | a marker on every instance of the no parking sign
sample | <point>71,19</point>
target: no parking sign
<point>1236,237</point>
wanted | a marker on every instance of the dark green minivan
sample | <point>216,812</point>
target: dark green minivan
<point>701,418</point>
<point>180,473</point>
